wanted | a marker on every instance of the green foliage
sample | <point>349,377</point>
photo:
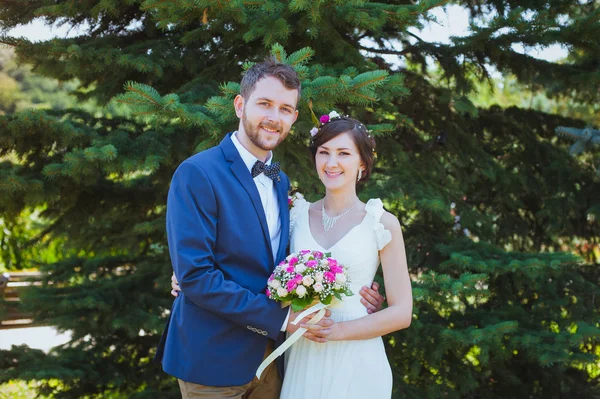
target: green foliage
<point>20,89</point>
<point>20,390</point>
<point>502,307</point>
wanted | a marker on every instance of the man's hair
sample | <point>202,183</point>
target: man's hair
<point>269,67</point>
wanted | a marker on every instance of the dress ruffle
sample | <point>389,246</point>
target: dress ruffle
<point>299,205</point>
<point>383,236</point>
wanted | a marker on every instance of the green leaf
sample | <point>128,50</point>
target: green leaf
<point>301,303</point>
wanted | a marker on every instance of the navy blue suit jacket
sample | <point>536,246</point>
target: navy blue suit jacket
<point>221,253</point>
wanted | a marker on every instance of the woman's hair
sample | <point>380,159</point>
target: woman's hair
<point>359,134</point>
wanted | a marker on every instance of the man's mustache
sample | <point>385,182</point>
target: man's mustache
<point>272,126</point>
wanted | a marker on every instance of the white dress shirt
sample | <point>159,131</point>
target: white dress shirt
<point>267,192</point>
<point>268,197</point>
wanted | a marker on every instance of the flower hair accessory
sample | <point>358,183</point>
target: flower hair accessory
<point>321,121</point>
<point>324,119</point>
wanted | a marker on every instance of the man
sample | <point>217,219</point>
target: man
<point>227,227</point>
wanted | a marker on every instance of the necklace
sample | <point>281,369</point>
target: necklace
<point>328,222</point>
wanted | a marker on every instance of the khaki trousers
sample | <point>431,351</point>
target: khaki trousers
<point>268,387</point>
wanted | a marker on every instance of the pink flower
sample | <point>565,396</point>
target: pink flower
<point>272,277</point>
<point>304,252</point>
<point>293,261</point>
<point>289,201</point>
<point>324,119</point>
<point>318,254</point>
<point>268,293</point>
<point>290,269</point>
<point>298,278</point>
<point>312,263</point>
<point>329,276</point>
<point>332,262</point>
<point>291,285</point>
<point>336,269</point>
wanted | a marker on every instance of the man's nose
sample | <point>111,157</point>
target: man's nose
<point>273,114</point>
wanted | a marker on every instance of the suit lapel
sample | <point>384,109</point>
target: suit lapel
<point>241,172</point>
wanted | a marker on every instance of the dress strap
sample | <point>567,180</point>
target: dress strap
<point>383,236</point>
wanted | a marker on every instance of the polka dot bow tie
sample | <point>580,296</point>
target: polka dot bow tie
<point>271,171</point>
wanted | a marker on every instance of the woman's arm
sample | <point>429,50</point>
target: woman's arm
<point>398,314</point>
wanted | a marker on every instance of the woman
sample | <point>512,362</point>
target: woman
<point>353,363</point>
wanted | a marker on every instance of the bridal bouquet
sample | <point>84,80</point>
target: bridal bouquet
<point>308,277</point>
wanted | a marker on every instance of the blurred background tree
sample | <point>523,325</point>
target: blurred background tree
<point>493,207</point>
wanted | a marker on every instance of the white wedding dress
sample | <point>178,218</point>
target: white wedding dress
<point>341,369</point>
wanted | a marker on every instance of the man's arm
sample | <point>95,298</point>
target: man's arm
<point>192,217</point>
<point>371,298</point>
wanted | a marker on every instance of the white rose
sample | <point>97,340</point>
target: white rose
<point>333,114</point>
<point>318,277</point>
<point>275,283</point>
<point>318,287</point>
<point>308,281</point>
<point>340,278</point>
<point>300,268</point>
<point>282,292</point>
<point>324,262</point>
<point>301,291</point>
<point>337,286</point>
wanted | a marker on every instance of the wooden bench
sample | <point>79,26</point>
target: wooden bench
<point>12,285</point>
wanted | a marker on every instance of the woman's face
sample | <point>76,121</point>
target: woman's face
<point>338,161</point>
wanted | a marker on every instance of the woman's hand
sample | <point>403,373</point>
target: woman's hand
<point>318,332</point>
<point>174,286</point>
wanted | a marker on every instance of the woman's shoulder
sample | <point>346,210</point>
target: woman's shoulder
<point>297,204</point>
<point>390,221</point>
<point>297,201</point>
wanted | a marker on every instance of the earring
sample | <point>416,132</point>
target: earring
<point>359,174</point>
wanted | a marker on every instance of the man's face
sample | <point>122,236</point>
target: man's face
<point>266,116</point>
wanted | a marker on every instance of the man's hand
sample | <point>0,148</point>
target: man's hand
<point>316,332</point>
<point>174,286</point>
<point>371,298</point>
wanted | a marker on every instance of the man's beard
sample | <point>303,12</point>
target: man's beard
<point>253,133</point>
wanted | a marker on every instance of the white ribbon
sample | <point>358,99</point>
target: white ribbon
<point>295,336</point>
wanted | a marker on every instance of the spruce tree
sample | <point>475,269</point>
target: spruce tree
<point>494,209</point>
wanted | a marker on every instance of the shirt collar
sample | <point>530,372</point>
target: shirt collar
<point>247,157</point>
